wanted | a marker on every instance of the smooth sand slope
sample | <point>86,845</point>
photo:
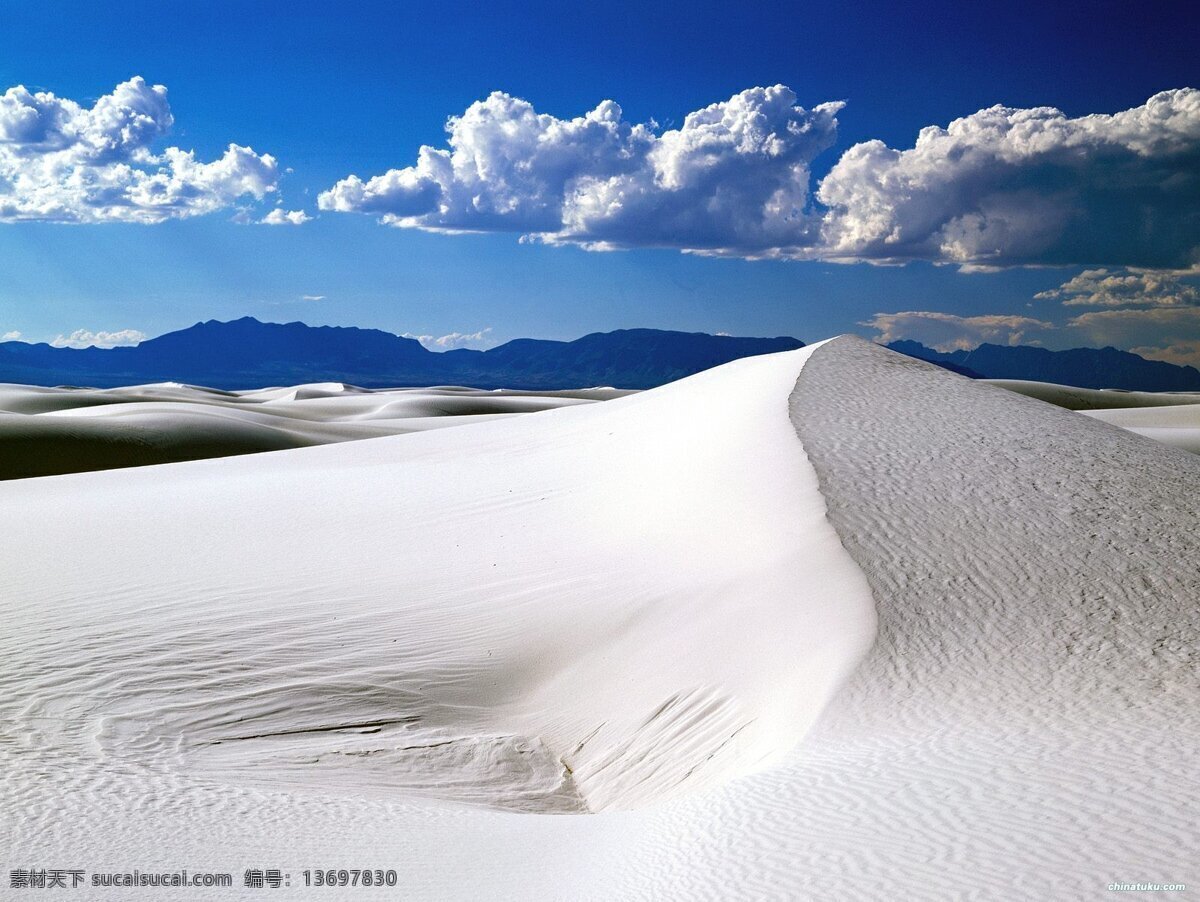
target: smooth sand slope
<point>407,652</point>
<point>598,607</point>
<point>48,431</point>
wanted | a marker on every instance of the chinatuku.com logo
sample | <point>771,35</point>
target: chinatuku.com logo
<point>1147,887</point>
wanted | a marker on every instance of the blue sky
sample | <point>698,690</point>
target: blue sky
<point>1102,224</point>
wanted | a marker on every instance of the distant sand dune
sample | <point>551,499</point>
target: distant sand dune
<point>49,431</point>
<point>1073,398</point>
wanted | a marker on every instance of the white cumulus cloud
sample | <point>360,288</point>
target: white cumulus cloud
<point>733,178</point>
<point>83,338</point>
<point>947,332</point>
<point>462,339</point>
<point>64,162</point>
<point>1000,187</point>
<point>14,335</point>
<point>279,216</point>
<point>1103,288</point>
<point>1010,186</point>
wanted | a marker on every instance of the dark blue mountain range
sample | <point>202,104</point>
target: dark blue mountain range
<point>246,353</point>
<point>1081,367</point>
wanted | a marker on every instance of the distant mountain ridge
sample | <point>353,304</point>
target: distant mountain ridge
<point>1081,367</point>
<point>247,353</point>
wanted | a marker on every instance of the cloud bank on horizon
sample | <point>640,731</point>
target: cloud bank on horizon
<point>1155,313</point>
<point>477,339</point>
<point>1001,187</point>
<point>62,162</point>
<point>948,332</point>
<point>85,338</point>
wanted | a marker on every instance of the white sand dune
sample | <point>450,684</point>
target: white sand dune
<point>1026,726</point>
<point>405,652</point>
<point>49,431</point>
<point>1073,398</point>
<point>1178,425</point>
<point>1172,418</point>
